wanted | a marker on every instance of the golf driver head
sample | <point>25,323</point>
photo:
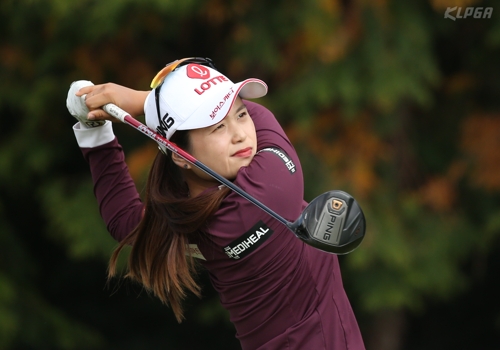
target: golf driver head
<point>332,222</point>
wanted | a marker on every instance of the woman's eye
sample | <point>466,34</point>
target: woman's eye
<point>242,114</point>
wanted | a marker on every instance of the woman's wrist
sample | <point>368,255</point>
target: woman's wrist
<point>139,97</point>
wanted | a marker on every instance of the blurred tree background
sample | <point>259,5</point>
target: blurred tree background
<point>388,100</point>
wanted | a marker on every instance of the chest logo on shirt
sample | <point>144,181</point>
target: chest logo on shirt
<point>249,241</point>
<point>284,157</point>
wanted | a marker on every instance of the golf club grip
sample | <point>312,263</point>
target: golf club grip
<point>115,111</point>
<point>126,118</point>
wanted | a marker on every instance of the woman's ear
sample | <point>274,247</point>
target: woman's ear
<point>181,162</point>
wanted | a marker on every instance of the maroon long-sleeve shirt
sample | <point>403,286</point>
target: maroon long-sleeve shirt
<point>280,292</point>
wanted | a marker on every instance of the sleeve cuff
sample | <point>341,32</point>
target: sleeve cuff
<point>93,137</point>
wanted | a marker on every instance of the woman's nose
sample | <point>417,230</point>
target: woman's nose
<point>239,134</point>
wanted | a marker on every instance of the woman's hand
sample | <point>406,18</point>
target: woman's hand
<point>131,101</point>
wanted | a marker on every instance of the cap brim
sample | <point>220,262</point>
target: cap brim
<point>251,88</point>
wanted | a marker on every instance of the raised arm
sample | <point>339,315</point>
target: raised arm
<point>119,202</point>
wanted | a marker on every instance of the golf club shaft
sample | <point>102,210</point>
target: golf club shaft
<point>126,118</point>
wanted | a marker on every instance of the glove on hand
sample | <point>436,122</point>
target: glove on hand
<point>77,107</point>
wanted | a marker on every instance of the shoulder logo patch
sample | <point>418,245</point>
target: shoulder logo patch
<point>284,157</point>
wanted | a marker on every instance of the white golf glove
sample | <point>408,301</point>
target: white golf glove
<point>77,107</point>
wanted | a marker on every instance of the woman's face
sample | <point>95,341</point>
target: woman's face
<point>226,146</point>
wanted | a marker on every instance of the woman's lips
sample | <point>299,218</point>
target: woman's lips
<point>244,153</point>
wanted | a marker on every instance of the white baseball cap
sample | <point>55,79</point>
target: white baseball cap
<point>195,96</point>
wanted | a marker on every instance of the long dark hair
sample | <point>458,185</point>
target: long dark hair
<point>158,258</point>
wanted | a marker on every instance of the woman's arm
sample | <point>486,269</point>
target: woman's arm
<point>131,101</point>
<point>119,202</point>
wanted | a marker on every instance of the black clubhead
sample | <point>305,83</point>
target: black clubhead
<point>332,222</point>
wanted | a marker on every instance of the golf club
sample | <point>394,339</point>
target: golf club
<point>332,222</point>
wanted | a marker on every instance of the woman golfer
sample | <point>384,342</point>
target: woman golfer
<point>280,292</point>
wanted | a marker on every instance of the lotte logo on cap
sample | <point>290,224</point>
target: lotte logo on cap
<point>196,71</point>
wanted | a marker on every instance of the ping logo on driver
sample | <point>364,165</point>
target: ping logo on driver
<point>336,204</point>
<point>330,222</point>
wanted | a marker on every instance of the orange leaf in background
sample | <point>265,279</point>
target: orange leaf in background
<point>216,11</point>
<point>10,56</point>
<point>83,59</point>
<point>481,143</point>
<point>241,33</point>
<point>140,160</point>
<point>129,67</point>
<point>335,47</point>
<point>351,149</point>
<point>439,193</point>
<point>460,83</point>
<point>330,6</point>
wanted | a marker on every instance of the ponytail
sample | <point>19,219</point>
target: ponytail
<point>158,258</point>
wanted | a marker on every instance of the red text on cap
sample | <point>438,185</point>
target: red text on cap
<point>209,83</point>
